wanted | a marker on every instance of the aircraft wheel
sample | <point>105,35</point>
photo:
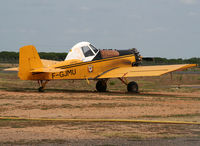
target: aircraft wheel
<point>132,87</point>
<point>101,86</point>
<point>41,89</point>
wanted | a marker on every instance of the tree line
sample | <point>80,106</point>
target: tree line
<point>13,57</point>
<point>164,61</point>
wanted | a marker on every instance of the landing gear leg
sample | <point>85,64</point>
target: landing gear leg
<point>101,85</point>
<point>42,85</point>
<point>131,86</point>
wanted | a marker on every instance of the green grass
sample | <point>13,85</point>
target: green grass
<point>36,142</point>
<point>112,83</point>
<point>6,104</point>
<point>129,135</point>
<point>171,116</point>
<point>184,115</point>
<point>111,105</point>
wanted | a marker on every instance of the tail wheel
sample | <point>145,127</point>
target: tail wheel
<point>42,85</point>
<point>132,87</point>
<point>41,89</point>
<point>101,86</point>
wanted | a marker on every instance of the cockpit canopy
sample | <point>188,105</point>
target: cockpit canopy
<point>83,51</point>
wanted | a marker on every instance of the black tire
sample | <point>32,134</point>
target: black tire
<point>41,89</point>
<point>132,87</point>
<point>101,86</point>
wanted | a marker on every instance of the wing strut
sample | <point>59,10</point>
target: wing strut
<point>123,79</point>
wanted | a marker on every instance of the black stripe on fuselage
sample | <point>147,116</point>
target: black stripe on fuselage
<point>101,60</point>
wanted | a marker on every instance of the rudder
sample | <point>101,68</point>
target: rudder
<point>28,60</point>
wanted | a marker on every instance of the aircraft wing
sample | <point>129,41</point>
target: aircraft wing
<point>143,71</point>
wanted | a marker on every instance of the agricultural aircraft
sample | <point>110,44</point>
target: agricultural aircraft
<point>86,62</point>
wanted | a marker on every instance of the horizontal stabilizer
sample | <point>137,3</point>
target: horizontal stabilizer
<point>11,69</point>
<point>47,70</point>
<point>46,63</point>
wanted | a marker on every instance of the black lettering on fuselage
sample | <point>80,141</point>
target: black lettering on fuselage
<point>71,72</point>
<point>61,74</point>
<point>64,73</point>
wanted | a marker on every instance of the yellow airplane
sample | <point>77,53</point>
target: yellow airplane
<point>85,62</point>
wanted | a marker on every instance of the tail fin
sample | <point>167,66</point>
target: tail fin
<point>28,60</point>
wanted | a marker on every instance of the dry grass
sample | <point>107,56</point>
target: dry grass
<point>10,81</point>
<point>158,100</point>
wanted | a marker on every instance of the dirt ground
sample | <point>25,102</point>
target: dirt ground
<point>119,105</point>
<point>159,99</point>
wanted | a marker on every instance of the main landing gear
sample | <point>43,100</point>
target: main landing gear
<point>101,85</point>
<point>42,85</point>
<point>132,87</point>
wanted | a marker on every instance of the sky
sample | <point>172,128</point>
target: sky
<point>157,28</point>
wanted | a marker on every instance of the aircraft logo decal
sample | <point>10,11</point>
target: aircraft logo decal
<point>90,68</point>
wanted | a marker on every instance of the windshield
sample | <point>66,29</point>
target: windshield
<point>93,48</point>
<point>87,52</point>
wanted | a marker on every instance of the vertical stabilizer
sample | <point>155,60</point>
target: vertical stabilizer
<point>28,60</point>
